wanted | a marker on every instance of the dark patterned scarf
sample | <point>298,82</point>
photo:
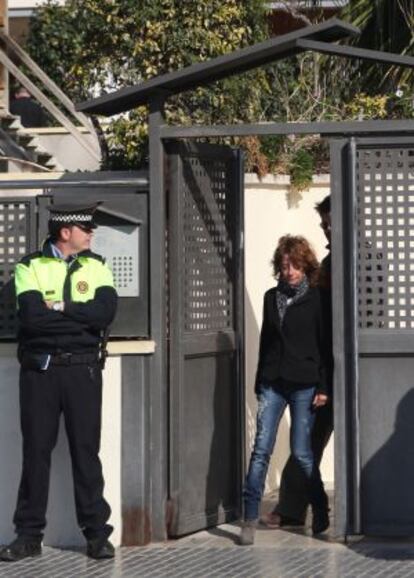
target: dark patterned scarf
<point>287,294</point>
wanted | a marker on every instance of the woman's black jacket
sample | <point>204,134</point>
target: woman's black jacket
<point>299,350</point>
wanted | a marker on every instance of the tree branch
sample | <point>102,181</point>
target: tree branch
<point>295,12</point>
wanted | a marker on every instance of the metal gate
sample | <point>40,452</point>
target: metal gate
<point>205,258</point>
<point>18,236</point>
<point>373,246</point>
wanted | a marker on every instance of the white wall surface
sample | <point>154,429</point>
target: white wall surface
<point>268,217</point>
<point>26,4</point>
<point>65,149</point>
<point>62,529</point>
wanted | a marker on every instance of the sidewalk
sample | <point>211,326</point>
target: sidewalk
<point>215,553</point>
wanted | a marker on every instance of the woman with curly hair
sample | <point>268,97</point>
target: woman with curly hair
<point>292,370</point>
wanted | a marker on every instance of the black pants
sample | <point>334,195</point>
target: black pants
<point>293,494</point>
<point>75,391</point>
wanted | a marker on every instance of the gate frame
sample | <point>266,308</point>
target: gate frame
<point>154,93</point>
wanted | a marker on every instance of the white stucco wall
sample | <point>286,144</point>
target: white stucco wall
<point>62,529</point>
<point>65,149</point>
<point>268,217</point>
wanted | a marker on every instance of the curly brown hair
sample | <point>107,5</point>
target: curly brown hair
<point>300,253</point>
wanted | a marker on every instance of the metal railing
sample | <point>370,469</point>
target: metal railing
<point>10,48</point>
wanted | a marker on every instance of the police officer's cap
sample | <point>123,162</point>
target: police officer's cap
<point>74,214</point>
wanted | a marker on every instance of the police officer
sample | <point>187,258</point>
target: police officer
<point>66,300</point>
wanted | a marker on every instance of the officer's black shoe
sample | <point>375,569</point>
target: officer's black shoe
<point>21,547</point>
<point>100,549</point>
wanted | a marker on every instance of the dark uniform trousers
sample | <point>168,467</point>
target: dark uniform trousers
<point>75,391</point>
<point>293,495</point>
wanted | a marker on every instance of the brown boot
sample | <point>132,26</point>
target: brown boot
<point>271,520</point>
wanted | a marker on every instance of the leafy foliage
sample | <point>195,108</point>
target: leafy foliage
<point>94,46</point>
<point>302,169</point>
<point>313,87</point>
<point>386,25</point>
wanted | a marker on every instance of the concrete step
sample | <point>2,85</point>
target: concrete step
<point>28,143</point>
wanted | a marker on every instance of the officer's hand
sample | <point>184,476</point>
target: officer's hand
<point>49,304</point>
<point>320,400</point>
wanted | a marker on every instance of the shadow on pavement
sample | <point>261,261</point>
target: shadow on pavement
<point>384,548</point>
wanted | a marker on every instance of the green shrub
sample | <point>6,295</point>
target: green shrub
<point>301,169</point>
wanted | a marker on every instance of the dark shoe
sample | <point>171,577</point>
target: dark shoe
<point>21,548</point>
<point>248,533</point>
<point>100,549</point>
<point>273,520</point>
<point>320,520</point>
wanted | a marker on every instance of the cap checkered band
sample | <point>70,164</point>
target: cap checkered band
<point>71,218</point>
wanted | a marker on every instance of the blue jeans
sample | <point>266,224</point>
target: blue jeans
<point>272,402</point>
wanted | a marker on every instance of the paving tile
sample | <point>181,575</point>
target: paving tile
<point>214,554</point>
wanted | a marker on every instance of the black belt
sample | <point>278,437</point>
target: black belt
<point>73,358</point>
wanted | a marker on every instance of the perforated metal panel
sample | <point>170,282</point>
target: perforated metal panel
<point>17,238</point>
<point>386,237</point>
<point>373,304</point>
<point>120,245</point>
<point>205,276</point>
<point>207,245</point>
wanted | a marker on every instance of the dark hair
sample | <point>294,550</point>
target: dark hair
<point>324,207</point>
<point>300,253</point>
<point>54,230</point>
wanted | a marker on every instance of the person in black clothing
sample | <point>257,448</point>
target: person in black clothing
<point>66,300</point>
<point>30,112</point>
<point>292,370</point>
<point>293,499</point>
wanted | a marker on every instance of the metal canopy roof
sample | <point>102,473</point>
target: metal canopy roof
<point>325,128</point>
<point>217,68</point>
<point>353,52</point>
